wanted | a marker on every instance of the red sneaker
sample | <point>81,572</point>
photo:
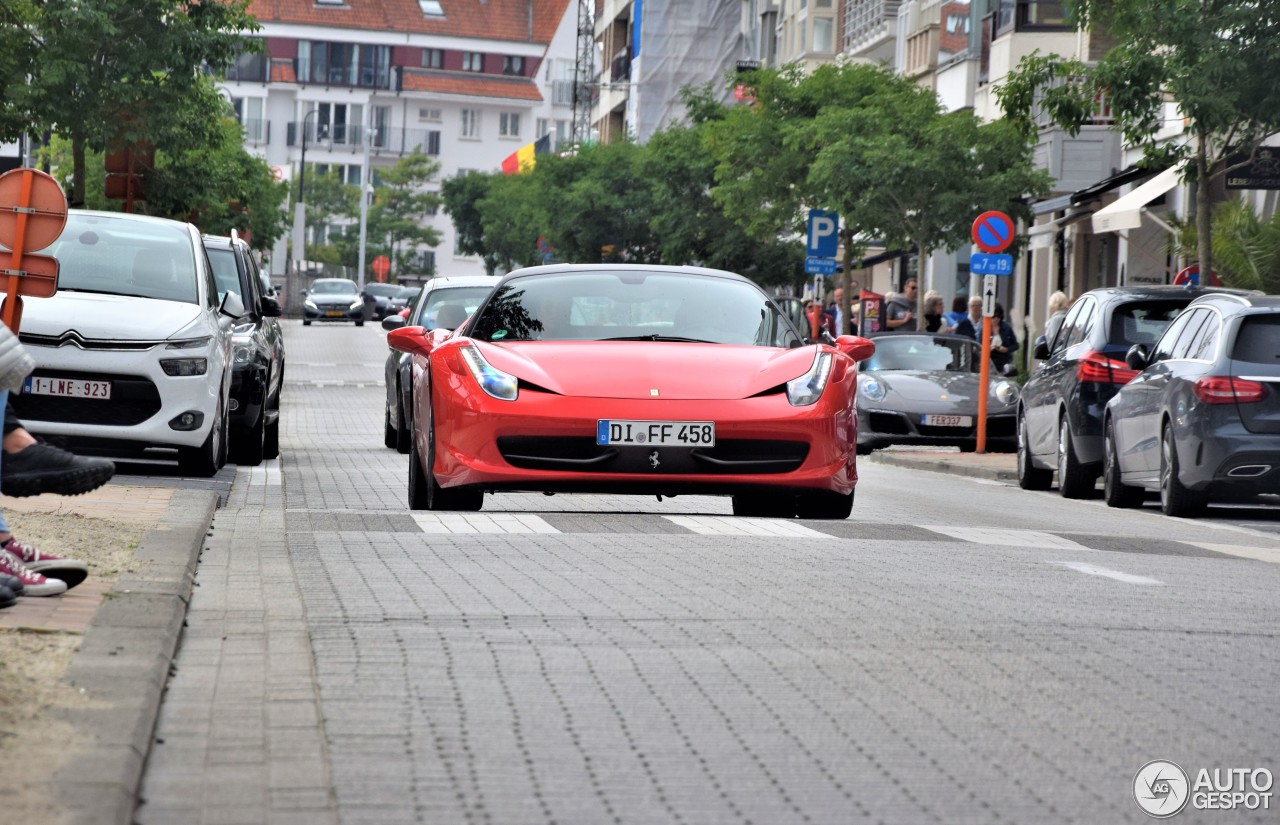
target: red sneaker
<point>71,571</point>
<point>33,583</point>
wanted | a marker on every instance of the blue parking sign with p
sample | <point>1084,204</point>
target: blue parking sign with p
<point>824,240</point>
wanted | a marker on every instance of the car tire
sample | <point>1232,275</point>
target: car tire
<point>271,431</point>
<point>824,504</point>
<point>202,461</point>
<point>1175,499</point>
<point>306,323</point>
<point>359,323</point>
<point>250,442</point>
<point>1030,477</point>
<point>764,505</point>
<point>1116,492</point>
<point>426,494</point>
<point>388,432</point>
<point>417,482</point>
<point>866,449</point>
<point>1074,480</point>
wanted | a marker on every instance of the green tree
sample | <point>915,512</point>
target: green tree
<point>513,218</point>
<point>461,196</point>
<point>19,48</point>
<point>401,204</point>
<point>114,72</point>
<point>1246,247</point>
<point>1216,61</point>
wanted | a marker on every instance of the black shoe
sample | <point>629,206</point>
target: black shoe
<point>7,597</point>
<point>12,582</point>
<point>43,468</point>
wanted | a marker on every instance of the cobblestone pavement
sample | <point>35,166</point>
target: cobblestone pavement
<point>946,655</point>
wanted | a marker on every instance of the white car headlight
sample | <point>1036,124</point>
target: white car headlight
<point>495,382</point>
<point>184,366</point>
<point>807,388</point>
<point>872,389</point>
<point>310,304</point>
<point>1005,391</point>
<point>189,343</point>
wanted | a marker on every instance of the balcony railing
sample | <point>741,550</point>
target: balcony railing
<point>362,76</point>
<point>392,141</point>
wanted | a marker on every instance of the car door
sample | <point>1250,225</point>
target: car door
<point>269,327</point>
<point>1146,395</point>
<point>1043,392</point>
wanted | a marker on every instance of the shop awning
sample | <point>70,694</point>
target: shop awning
<point>1126,212</point>
<point>1041,234</point>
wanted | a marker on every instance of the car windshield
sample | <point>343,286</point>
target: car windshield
<point>1142,322</point>
<point>924,353</point>
<point>224,271</point>
<point>612,305</point>
<point>126,256</point>
<point>333,288</point>
<point>450,307</point>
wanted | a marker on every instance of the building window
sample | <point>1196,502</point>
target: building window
<point>249,113</point>
<point>249,65</point>
<point>470,123</point>
<point>509,125</point>
<point>472,62</point>
<point>337,122</point>
<point>344,64</point>
<point>564,133</point>
<point>1031,15</point>
<point>433,143</point>
<point>433,58</point>
<point>431,8</point>
<point>513,65</point>
<point>823,34</point>
<point>430,115</point>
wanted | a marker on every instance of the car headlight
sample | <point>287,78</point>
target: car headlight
<point>243,353</point>
<point>807,389</point>
<point>1005,391</point>
<point>872,389</point>
<point>184,366</point>
<point>495,382</point>
<point>189,343</point>
<point>356,304</point>
<point>310,304</point>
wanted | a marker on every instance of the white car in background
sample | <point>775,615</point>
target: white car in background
<point>133,353</point>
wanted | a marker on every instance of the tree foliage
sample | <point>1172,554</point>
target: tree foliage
<point>1246,247</point>
<point>1215,61</point>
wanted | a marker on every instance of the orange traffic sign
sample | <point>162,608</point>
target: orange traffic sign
<point>381,265</point>
<point>33,210</point>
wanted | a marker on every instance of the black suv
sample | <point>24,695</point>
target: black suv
<point>1062,404</point>
<point>258,348</point>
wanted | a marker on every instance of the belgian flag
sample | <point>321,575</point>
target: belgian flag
<point>523,159</point>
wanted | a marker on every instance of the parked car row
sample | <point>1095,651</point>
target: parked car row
<point>158,344</point>
<point>1168,389</point>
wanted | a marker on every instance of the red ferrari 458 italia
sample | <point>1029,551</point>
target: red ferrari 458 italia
<point>633,379</point>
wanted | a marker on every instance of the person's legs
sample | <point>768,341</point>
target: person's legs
<point>29,468</point>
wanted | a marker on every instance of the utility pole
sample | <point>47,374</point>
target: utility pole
<point>299,206</point>
<point>584,73</point>
<point>365,177</point>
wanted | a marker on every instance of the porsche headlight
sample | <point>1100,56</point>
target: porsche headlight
<point>1006,392</point>
<point>493,381</point>
<point>807,389</point>
<point>872,389</point>
<point>243,353</point>
<point>310,304</point>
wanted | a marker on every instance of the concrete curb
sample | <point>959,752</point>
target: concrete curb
<point>966,464</point>
<point>123,664</point>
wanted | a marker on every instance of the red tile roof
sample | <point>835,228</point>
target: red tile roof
<point>282,71</point>
<point>525,21</point>
<point>471,85</point>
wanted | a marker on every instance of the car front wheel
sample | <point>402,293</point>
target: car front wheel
<point>824,504</point>
<point>203,460</point>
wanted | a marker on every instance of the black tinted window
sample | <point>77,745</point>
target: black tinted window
<point>1169,341</point>
<point>1079,323</point>
<point>1258,340</point>
<point>1142,322</point>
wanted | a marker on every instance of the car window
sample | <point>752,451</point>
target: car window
<point>127,256</point>
<point>1078,323</point>
<point>1142,322</point>
<point>1204,344</point>
<point>633,305</point>
<point>1256,339</point>
<point>225,275</point>
<point>1168,342</point>
<point>443,306</point>
<point>924,353</point>
<point>1190,333</point>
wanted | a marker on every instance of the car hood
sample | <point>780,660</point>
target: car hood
<point>117,317</point>
<point>636,369</point>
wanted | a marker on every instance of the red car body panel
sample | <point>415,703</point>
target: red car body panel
<point>737,387</point>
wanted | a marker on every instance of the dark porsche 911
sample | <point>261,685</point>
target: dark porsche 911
<point>924,388</point>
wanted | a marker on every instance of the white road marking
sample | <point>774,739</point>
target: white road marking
<point>731,526</point>
<point>482,523</point>
<point>1267,554</point>
<point>1004,537</point>
<point>1095,570</point>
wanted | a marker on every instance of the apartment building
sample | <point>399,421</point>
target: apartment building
<point>367,81</point>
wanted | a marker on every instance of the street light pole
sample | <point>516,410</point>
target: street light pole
<point>299,207</point>
<point>365,177</point>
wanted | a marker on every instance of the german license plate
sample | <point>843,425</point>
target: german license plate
<point>947,420</point>
<point>334,313</point>
<point>658,433</point>
<point>67,387</point>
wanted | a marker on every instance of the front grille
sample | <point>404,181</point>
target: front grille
<point>728,457</point>
<point>134,399</point>
<point>890,423</point>
<point>73,339</point>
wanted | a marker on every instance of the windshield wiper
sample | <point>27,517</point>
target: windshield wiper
<point>660,338</point>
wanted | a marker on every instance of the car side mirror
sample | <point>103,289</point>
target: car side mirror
<point>1041,350</point>
<point>857,348</point>
<point>231,305</point>
<point>413,340</point>
<point>270,307</point>
<point>392,322</point>
<point>1137,357</point>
